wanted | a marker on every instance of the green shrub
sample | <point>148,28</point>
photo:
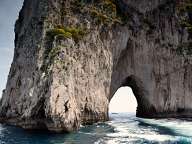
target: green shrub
<point>103,11</point>
<point>68,32</point>
<point>77,33</point>
<point>59,32</point>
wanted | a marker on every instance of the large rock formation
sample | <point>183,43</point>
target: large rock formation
<point>72,55</point>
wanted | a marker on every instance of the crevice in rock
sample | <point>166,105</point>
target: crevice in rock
<point>38,111</point>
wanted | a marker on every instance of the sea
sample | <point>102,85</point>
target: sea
<point>123,128</point>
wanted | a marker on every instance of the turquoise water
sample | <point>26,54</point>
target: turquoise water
<point>123,128</point>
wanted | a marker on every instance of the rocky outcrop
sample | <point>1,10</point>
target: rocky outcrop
<point>71,56</point>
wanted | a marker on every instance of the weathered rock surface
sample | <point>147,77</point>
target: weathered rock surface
<point>60,78</point>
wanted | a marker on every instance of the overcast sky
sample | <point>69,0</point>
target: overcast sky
<point>124,99</point>
<point>9,10</point>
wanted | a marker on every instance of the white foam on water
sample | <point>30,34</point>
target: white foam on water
<point>183,128</point>
<point>150,137</point>
<point>1,129</point>
<point>128,126</point>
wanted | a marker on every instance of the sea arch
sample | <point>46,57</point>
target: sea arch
<point>144,107</point>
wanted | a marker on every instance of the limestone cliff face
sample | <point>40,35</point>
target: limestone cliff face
<point>71,56</point>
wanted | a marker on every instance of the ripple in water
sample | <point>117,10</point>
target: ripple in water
<point>123,128</point>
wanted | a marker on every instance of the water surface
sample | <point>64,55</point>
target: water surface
<point>123,128</point>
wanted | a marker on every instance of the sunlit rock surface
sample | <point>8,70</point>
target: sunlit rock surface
<point>71,56</point>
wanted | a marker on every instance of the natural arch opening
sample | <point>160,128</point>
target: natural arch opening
<point>145,108</point>
<point>123,101</point>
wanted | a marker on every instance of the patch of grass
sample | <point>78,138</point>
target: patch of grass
<point>59,32</point>
<point>77,33</point>
<point>67,32</point>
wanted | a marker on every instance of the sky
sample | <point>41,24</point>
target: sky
<point>123,100</point>
<point>9,11</point>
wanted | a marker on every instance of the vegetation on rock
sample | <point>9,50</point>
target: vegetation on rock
<point>102,11</point>
<point>68,32</point>
<point>50,55</point>
<point>184,49</point>
<point>184,6</point>
<point>184,10</point>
